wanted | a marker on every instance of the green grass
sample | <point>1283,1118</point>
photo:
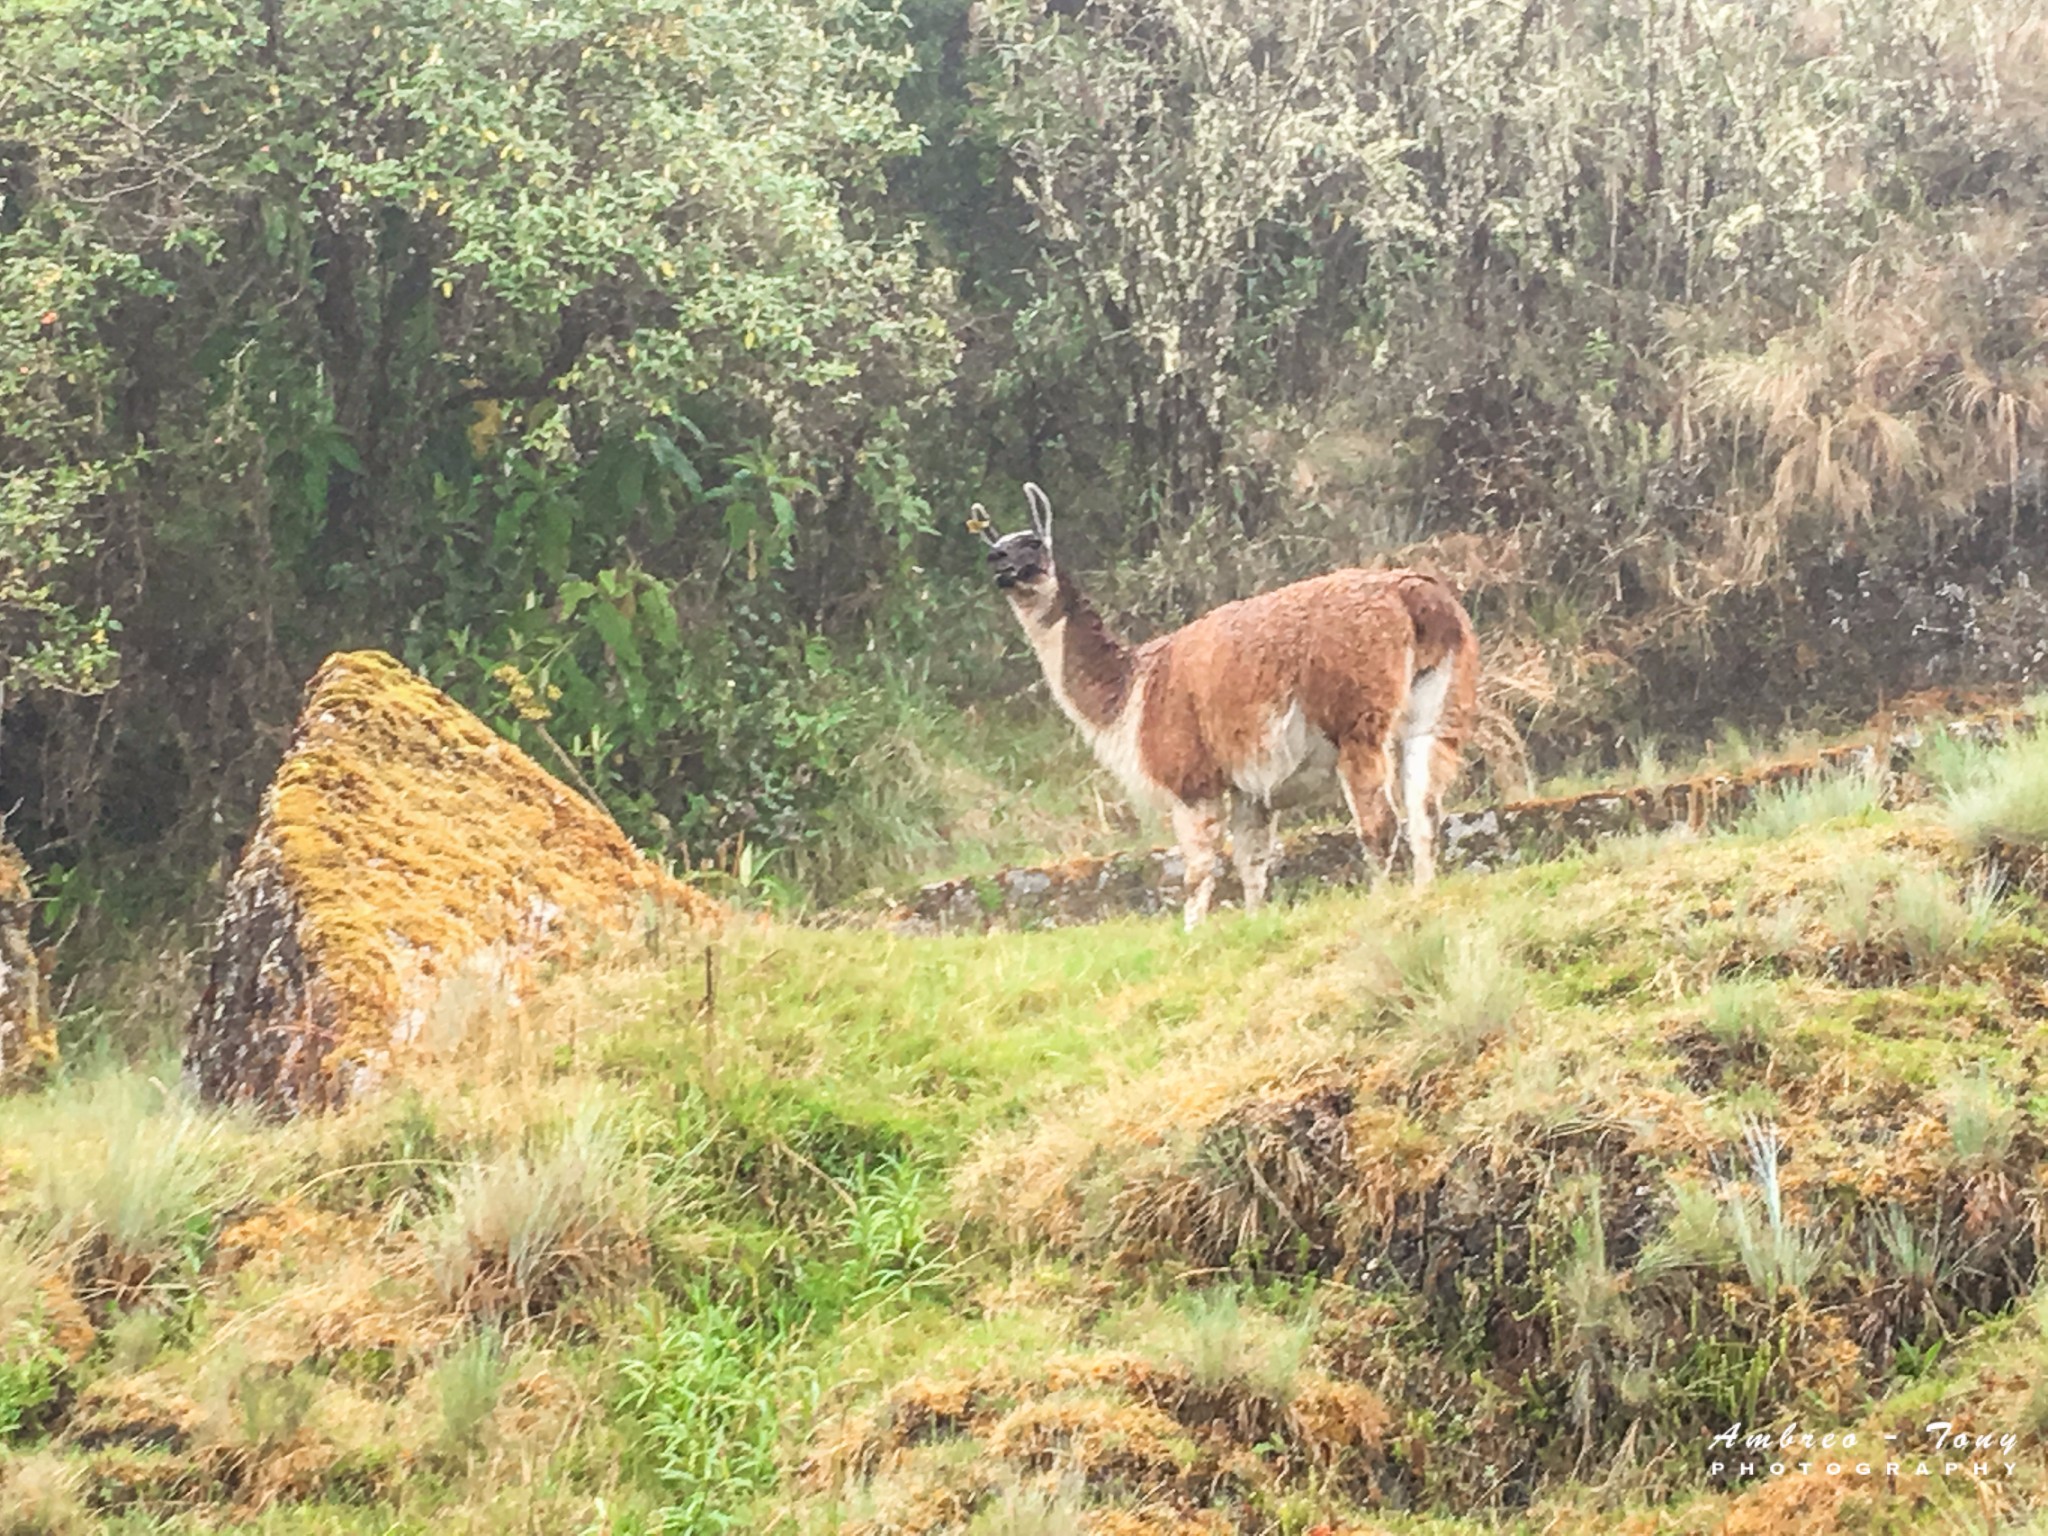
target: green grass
<point>1781,810</point>
<point>943,791</point>
<point>1585,1152</point>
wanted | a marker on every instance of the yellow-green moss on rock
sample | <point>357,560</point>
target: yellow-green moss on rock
<point>403,843</point>
<point>28,1034</point>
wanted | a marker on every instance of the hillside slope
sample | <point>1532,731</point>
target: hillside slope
<point>1489,1207</point>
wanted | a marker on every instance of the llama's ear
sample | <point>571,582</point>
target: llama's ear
<point>1041,510</point>
<point>977,522</point>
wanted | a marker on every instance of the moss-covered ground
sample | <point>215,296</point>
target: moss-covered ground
<point>1482,1209</point>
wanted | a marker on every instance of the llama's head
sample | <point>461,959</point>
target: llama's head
<point>1022,562</point>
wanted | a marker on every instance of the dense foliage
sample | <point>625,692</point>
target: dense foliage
<point>624,366</point>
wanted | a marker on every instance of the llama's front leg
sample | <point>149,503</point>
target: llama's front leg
<point>1253,843</point>
<point>1196,828</point>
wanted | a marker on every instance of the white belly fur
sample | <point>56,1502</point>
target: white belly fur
<point>1294,764</point>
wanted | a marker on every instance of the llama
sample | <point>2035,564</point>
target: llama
<point>1260,702</point>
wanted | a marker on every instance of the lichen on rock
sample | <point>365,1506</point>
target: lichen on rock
<point>28,1032</point>
<point>402,844</point>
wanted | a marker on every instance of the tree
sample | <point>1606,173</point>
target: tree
<point>1200,171</point>
<point>533,334</point>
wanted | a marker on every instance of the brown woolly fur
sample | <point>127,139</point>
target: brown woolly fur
<point>402,843</point>
<point>1261,703</point>
<point>1212,688</point>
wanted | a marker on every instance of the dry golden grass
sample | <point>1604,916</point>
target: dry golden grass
<point>1147,1426</point>
<point>1883,400</point>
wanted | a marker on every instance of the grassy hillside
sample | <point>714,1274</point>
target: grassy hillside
<point>1484,1209</point>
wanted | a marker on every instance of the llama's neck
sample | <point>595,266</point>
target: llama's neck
<point>1088,666</point>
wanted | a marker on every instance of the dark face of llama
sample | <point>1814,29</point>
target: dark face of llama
<point>1020,560</point>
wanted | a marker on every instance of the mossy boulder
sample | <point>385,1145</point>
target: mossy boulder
<point>28,1034</point>
<point>403,845</point>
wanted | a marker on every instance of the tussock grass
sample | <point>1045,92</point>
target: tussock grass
<point>524,1229</point>
<point>2004,797</point>
<point>1779,1253</point>
<point>1953,764</point>
<point>135,1341</point>
<point>43,1494</point>
<point>467,1385</point>
<point>1743,1014</point>
<point>1937,926</point>
<point>1915,1256</point>
<point>1983,1120</point>
<point>133,1179</point>
<point>1221,1338</point>
<point>25,1265</point>
<point>1453,987</point>
<point>1695,1238</point>
<point>1782,809</point>
<point>1020,1509</point>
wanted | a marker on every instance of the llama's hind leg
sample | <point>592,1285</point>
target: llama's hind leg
<point>1366,770</point>
<point>1423,765</point>
<point>1420,805</point>
<point>1197,828</point>
<point>1254,826</point>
